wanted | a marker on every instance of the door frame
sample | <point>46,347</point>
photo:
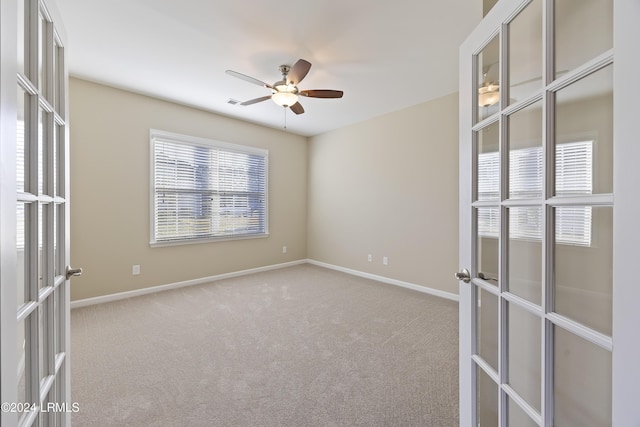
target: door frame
<point>8,255</point>
<point>626,233</point>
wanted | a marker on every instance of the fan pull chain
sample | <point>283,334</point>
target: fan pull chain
<point>285,117</point>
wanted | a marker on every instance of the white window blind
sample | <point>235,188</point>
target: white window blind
<point>206,189</point>
<point>20,223</point>
<point>489,176</point>
<point>574,176</point>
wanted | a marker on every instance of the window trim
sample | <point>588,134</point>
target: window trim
<point>188,140</point>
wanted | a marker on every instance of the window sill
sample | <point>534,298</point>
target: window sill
<point>207,240</point>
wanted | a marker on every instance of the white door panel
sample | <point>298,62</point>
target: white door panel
<point>546,218</point>
<point>35,217</point>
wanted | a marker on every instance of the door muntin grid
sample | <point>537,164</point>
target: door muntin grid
<point>538,230</point>
<point>42,312</point>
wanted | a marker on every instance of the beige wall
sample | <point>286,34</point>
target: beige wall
<point>389,187</point>
<point>386,187</point>
<point>110,193</point>
<point>487,5</point>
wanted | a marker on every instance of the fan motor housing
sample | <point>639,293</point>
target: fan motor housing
<point>284,69</point>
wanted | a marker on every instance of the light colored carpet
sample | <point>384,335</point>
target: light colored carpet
<point>300,346</point>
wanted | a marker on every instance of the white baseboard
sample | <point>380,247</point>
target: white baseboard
<point>419,288</point>
<point>153,289</point>
<point>160,288</point>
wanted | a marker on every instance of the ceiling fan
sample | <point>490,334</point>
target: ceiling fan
<point>285,92</point>
<point>489,90</point>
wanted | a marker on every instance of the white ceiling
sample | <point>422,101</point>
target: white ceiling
<point>385,55</point>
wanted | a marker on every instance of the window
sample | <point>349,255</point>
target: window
<point>205,190</point>
<point>574,166</point>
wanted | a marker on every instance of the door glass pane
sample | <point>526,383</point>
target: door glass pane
<point>41,150</point>
<point>584,136</point>
<point>489,79</point>
<point>20,139</point>
<point>525,52</point>
<point>582,382</point>
<point>487,323</point>
<point>488,163</point>
<point>525,253</point>
<point>56,321</point>
<point>21,264</point>
<point>59,322</point>
<point>523,354</point>
<point>56,252</point>
<point>487,240</point>
<point>487,400</point>
<point>61,97</point>
<point>42,54</point>
<point>54,75</point>
<point>518,417</point>
<point>54,153</point>
<point>60,82</point>
<point>59,161</point>
<point>583,265</point>
<point>583,30</point>
<point>526,155</point>
<point>21,26</point>
<point>42,351</point>
<point>41,245</point>
<point>22,360</point>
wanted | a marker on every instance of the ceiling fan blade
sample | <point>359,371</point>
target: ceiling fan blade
<point>297,108</point>
<point>298,72</point>
<point>322,93</point>
<point>248,78</point>
<point>256,100</point>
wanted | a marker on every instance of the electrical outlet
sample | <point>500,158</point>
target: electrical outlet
<point>135,270</point>
<point>369,257</point>
<point>284,249</point>
<point>385,260</point>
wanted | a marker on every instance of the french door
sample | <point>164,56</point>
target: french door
<point>34,218</point>
<point>549,209</point>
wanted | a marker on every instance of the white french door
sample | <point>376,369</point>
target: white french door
<point>34,217</point>
<point>549,209</point>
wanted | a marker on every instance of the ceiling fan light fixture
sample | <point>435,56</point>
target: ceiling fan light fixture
<point>488,95</point>
<point>285,92</point>
<point>284,99</point>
